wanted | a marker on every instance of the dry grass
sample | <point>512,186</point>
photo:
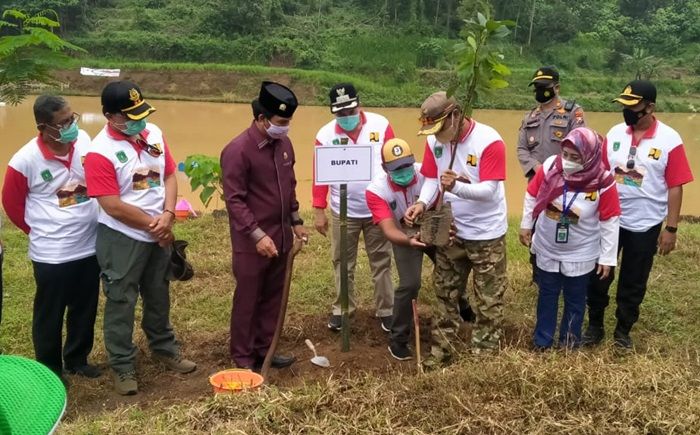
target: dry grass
<point>655,390</point>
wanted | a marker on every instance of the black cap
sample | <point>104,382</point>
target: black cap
<point>545,76</point>
<point>343,96</point>
<point>278,99</point>
<point>636,91</point>
<point>124,96</point>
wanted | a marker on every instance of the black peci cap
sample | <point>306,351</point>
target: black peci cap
<point>545,76</point>
<point>278,99</point>
<point>636,91</point>
<point>343,96</point>
<point>125,97</point>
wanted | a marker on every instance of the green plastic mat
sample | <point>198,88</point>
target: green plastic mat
<point>32,397</point>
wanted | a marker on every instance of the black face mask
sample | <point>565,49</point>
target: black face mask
<point>544,95</point>
<point>632,117</point>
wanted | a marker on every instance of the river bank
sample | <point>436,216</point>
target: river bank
<point>240,84</point>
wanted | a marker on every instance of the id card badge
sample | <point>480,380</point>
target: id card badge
<point>562,235</point>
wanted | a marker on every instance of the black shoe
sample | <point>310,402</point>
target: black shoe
<point>592,336</point>
<point>400,351</point>
<point>467,314</point>
<point>88,371</point>
<point>623,340</point>
<point>278,362</point>
<point>334,322</point>
<point>385,323</point>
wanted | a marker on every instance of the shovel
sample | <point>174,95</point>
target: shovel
<point>320,361</point>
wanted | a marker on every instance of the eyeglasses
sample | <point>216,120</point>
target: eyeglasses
<point>152,150</point>
<point>630,157</point>
<point>75,117</point>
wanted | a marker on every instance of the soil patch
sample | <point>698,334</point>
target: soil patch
<point>368,355</point>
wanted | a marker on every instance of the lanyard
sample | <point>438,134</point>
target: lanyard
<point>566,207</point>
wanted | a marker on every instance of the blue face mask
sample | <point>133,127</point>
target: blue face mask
<point>403,176</point>
<point>134,127</point>
<point>348,123</point>
<point>68,134</point>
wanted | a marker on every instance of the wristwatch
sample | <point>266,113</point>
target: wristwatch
<point>671,230</point>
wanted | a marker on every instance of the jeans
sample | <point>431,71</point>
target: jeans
<point>551,284</point>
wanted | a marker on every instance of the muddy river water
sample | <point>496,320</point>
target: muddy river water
<point>205,128</point>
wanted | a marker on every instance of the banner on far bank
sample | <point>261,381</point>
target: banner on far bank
<point>343,165</point>
<point>99,72</point>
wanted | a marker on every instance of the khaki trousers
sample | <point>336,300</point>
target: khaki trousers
<point>379,253</point>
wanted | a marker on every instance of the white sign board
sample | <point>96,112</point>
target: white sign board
<point>99,72</point>
<point>339,164</point>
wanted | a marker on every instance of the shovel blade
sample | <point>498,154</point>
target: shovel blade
<point>321,361</point>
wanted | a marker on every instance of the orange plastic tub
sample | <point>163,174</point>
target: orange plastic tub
<point>235,380</point>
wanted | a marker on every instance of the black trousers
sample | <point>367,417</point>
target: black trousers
<point>638,250</point>
<point>72,287</point>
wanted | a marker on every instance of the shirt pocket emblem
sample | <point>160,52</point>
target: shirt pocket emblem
<point>121,156</point>
<point>46,175</point>
<point>654,153</point>
<point>471,160</point>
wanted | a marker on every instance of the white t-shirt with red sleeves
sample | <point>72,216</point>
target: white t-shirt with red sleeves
<point>116,165</point>
<point>375,131</point>
<point>387,200</point>
<point>593,227</point>
<point>660,163</point>
<point>480,157</point>
<point>46,196</point>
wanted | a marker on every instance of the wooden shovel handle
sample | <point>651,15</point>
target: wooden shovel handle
<point>296,247</point>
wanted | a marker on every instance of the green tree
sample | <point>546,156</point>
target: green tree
<point>30,53</point>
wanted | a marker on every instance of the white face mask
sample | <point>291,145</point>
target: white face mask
<point>570,167</point>
<point>277,131</point>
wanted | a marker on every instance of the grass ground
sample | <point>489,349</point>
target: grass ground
<point>654,390</point>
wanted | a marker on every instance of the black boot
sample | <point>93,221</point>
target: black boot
<point>595,333</point>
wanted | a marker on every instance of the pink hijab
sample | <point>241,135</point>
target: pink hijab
<point>591,178</point>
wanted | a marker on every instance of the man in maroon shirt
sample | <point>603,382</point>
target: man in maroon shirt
<point>259,186</point>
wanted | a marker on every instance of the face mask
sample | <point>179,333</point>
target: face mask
<point>277,131</point>
<point>570,167</point>
<point>348,123</point>
<point>134,127</point>
<point>67,134</point>
<point>632,117</point>
<point>447,133</point>
<point>403,176</point>
<point>544,95</point>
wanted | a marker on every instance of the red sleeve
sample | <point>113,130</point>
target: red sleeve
<point>429,166</point>
<point>606,163</point>
<point>609,204</point>
<point>378,206</point>
<point>100,176</point>
<point>389,133</point>
<point>14,197</point>
<point>678,169</point>
<point>319,194</point>
<point>533,187</point>
<point>493,162</point>
<point>170,165</point>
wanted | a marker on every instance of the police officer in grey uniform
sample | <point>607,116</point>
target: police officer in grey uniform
<point>544,127</point>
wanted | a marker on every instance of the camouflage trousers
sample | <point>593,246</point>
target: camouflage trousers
<point>487,258</point>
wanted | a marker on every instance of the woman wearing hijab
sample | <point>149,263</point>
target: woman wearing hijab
<point>572,200</point>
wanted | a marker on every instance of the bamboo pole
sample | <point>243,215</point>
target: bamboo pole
<point>416,328</point>
<point>344,297</point>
